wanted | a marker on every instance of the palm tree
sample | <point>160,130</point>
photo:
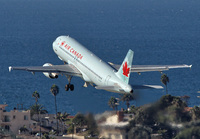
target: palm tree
<point>35,109</point>
<point>59,118</point>
<point>113,103</point>
<point>165,80</point>
<point>65,117</point>
<point>62,117</point>
<point>36,95</point>
<point>127,97</point>
<point>55,90</point>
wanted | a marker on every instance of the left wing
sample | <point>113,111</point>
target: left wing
<point>146,68</point>
<point>67,69</point>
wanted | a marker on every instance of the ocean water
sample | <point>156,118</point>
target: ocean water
<point>158,31</point>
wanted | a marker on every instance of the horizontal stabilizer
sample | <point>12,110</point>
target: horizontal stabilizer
<point>115,89</point>
<point>137,87</point>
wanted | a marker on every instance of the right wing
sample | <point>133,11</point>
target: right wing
<point>67,69</point>
<point>146,68</point>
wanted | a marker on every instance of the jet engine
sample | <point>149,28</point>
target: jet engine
<point>49,74</point>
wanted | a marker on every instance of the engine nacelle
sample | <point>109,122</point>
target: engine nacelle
<point>49,74</point>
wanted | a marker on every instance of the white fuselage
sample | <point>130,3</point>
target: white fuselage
<point>92,68</point>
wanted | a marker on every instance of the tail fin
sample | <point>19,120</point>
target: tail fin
<point>124,71</point>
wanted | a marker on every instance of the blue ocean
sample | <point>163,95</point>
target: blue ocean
<point>158,31</point>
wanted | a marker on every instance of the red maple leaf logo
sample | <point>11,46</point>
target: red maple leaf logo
<point>126,70</point>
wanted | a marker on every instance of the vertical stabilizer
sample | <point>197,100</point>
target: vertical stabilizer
<point>125,69</point>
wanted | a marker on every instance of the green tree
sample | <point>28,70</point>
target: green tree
<point>55,90</point>
<point>70,130</point>
<point>126,97</point>
<point>185,98</point>
<point>35,109</point>
<point>189,133</point>
<point>36,95</point>
<point>195,113</point>
<point>62,117</point>
<point>146,115</point>
<point>165,80</point>
<point>24,129</point>
<point>79,120</point>
<point>133,109</point>
<point>91,125</point>
<point>140,133</point>
<point>112,103</point>
<point>171,109</point>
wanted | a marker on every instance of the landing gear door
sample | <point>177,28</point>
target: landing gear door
<point>107,80</point>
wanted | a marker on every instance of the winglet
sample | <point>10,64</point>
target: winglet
<point>125,69</point>
<point>10,68</point>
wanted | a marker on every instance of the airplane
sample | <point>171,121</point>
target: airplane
<point>80,62</point>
